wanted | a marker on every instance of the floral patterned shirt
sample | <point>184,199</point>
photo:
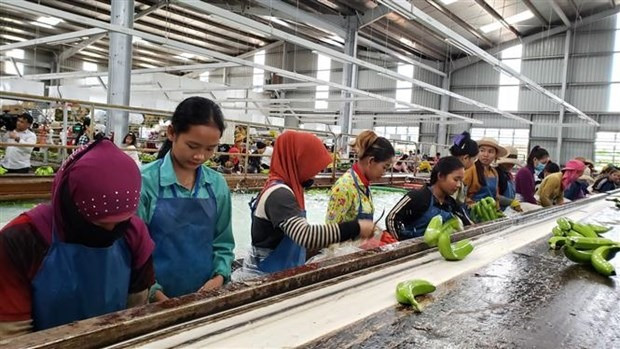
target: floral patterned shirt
<point>344,200</point>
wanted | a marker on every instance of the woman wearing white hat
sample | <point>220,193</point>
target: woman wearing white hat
<point>506,183</point>
<point>481,179</point>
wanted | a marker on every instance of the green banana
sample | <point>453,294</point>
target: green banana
<point>578,256</point>
<point>564,224</point>
<point>574,234</point>
<point>584,230</point>
<point>556,242</point>
<point>2,171</point>
<point>433,229</point>
<point>455,252</point>
<point>584,243</point>
<point>599,229</point>
<point>406,291</point>
<point>484,213</point>
<point>600,258</point>
<point>556,231</point>
<point>455,223</point>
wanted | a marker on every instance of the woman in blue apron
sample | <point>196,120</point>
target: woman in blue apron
<point>187,205</point>
<point>411,215</point>
<point>350,197</point>
<point>506,182</point>
<point>280,232</point>
<point>85,254</point>
<point>481,179</point>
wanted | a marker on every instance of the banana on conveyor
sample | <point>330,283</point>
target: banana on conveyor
<point>582,243</point>
<point>44,171</point>
<point>406,292</point>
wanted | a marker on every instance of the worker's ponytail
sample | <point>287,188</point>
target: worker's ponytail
<point>368,144</point>
<point>193,111</point>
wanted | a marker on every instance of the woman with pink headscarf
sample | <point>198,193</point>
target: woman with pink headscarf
<point>551,191</point>
<point>85,254</point>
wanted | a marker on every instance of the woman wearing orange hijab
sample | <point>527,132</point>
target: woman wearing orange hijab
<point>280,232</point>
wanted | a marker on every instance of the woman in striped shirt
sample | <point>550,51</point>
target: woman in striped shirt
<point>280,232</point>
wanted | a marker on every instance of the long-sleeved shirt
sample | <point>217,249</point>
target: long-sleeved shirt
<point>156,173</point>
<point>550,191</point>
<point>17,158</point>
<point>278,213</point>
<point>412,206</point>
<point>525,184</point>
<point>603,185</point>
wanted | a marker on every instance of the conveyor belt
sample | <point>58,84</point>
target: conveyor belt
<point>356,310</point>
<point>306,304</point>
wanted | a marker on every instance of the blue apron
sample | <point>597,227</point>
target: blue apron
<point>288,254</point>
<point>183,229</point>
<point>489,190</point>
<point>77,282</point>
<point>418,227</point>
<point>360,211</point>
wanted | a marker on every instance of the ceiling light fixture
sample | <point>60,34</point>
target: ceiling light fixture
<point>52,21</point>
<point>519,17</point>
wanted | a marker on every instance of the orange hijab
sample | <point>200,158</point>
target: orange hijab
<point>297,157</point>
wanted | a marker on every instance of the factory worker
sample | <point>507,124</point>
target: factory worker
<point>525,182</point>
<point>280,232</point>
<point>551,191</point>
<point>85,254</point>
<point>187,205</point>
<point>466,150</point>
<point>505,179</point>
<point>481,179</point>
<point>411,215</point>
<point>350,197</point>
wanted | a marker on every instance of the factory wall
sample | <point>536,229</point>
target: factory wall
<point>588,88</point>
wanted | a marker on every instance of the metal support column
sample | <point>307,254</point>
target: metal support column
<point>567,43</point>
<point>442,131</point>
<point>349,79</point>
<point>119,68</point>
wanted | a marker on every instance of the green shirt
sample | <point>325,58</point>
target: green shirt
<point>162,172</point>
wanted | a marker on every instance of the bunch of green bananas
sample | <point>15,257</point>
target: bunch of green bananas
<point>145,158</point>
<point>582,243</point>
<point>2,171</point>
<point>44,171</point>
<point>406,292</point>
<point>485,210</point>
<point>438,234</point>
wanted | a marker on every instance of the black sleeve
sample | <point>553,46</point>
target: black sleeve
<point>280,206</point>
<point>411,207</point>
<point>142,278</point>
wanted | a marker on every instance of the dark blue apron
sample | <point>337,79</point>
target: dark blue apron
<point>360,211</point>
<point>489,190</point>
<point>287,254</point>
<point>419,225</point>
<point>183,230</point>
<point>77,282</point>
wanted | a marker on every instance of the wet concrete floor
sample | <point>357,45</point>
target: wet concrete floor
<point>531,298</point>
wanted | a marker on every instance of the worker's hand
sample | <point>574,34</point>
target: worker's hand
<point>216,282</point>
<point>159,296</point>
<point>13,135</point>
<point>367,228</point>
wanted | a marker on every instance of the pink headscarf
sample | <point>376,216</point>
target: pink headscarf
<point>571,172</point>
<point>104,185</point>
